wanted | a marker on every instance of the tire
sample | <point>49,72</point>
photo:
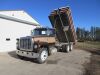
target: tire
<point>52,50</point>
<point>43,55</point>
<point>18,48</point>
<point>67,48</point>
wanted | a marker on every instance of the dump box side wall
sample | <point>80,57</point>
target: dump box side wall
<point>66,17</point>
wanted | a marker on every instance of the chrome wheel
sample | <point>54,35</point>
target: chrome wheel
<point>68,48</point>
<point>71,47</point>
<point>44,55</point>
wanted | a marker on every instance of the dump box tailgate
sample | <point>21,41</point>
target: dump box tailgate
<point>61,20</point>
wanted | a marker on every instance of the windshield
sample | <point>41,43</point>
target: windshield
<point>44,31</point>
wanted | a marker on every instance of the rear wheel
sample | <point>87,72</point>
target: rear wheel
<point>71,47</point>
<point>43,55</point>
<point>52,50</point>
<point>67,48</point>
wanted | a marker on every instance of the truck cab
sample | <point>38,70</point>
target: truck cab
<point>37,45</point>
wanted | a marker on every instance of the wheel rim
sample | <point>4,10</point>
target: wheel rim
<point>67,48</point>
<point>71,47</point>
<point>44,55</point>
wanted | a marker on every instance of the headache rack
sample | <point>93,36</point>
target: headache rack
<point>61,20</point>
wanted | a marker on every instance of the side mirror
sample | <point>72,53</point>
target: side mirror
<point>17,39</point>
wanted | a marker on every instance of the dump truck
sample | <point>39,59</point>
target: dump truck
<point>45,41</point>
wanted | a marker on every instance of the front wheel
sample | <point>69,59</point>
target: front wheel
<point>43,55</point>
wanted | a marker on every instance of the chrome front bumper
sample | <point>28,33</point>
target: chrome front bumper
<point>27,54</point>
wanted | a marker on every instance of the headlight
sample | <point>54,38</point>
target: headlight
<point>32,40</point>
<point>17,39</point>
<point>17,45</point>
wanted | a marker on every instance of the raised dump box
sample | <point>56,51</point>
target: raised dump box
<point>61,20</point>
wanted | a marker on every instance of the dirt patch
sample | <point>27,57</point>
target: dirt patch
<point>92,68</point>
<point>57,64</point>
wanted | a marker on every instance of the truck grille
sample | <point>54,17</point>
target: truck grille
<point>25,43</point>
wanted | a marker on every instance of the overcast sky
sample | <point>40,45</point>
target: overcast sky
<point>86,13</point>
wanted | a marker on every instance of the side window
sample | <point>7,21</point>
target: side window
<point>51,32</point>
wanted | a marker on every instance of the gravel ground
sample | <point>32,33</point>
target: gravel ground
<point>57,64</point>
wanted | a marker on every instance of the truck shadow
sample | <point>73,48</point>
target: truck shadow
<point>50,61</point>
<point>14,55</point>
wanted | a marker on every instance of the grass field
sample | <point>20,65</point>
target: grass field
<point>92,68</point>
<point>88,45</point>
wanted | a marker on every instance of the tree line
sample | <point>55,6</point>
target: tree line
<point>88,35</point>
